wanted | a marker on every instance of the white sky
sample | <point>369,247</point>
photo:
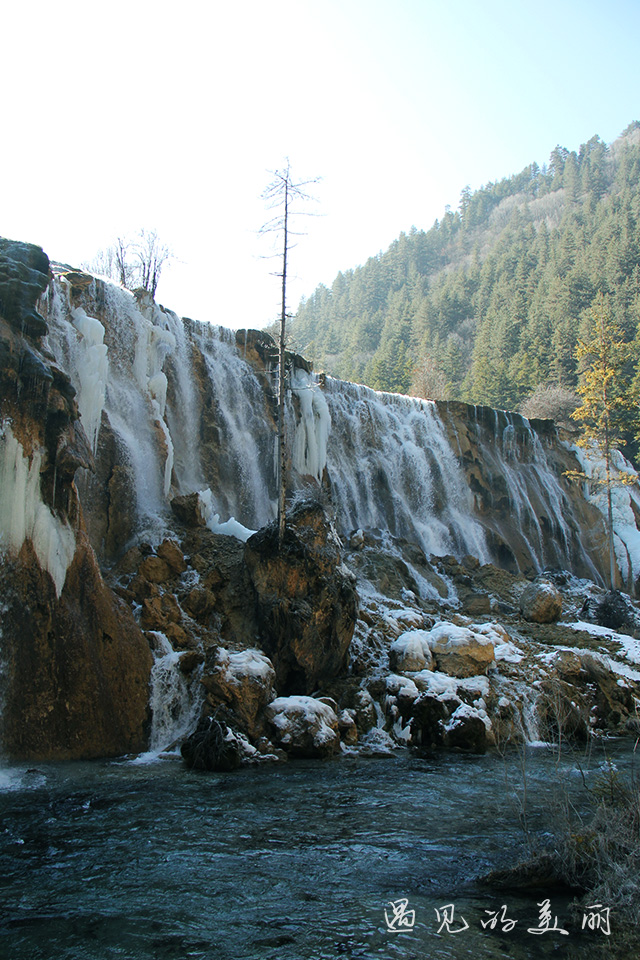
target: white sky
<point>170,116</point>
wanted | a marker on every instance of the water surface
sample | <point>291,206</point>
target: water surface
<point>294,862</point>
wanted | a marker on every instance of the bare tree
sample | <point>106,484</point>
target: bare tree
<point>550,401</point>
<point>133,262</point>
<point>281,194</point>
<point>151,255</point>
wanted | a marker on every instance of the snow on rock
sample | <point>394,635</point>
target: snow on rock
<point>445,687</point>
<point>398,686</point>
<point>411,652</point>
<point>304,726</point>
<point>244,681</point>
<point>460,651</point>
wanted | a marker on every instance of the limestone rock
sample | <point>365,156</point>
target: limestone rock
<point>78,666</point>
<point>541,602</point>
<point>306,603</point>
<point>411,652</point>
<point>155,570</point>
<point>187,510</point>
<point>159,611</point>
<point>348,727</point>
<point>170,552</point>
<point>304,727</point>
<point>244,682</point>
<point>24,275</point>
<point>459,651</point>
<point>446,722</point>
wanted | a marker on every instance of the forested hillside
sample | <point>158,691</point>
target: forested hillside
<point>489,303</point>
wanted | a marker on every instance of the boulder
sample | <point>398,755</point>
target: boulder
<point>170,552</point>
<point>459,651</point>
<point>305,600</point>
<point>347,727</point>
<point>304,726</point>
<point>445,722</point>
<point>466,730</point>
<point>541,602</point>
<point>187,510</point>
<point>155,570</point>
<point>411,652</point>
<point>244,682</point>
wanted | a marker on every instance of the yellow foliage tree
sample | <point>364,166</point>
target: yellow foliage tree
<point>607,406</point>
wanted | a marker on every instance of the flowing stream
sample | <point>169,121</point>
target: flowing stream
<point>295,862</point>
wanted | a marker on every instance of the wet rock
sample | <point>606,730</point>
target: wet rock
<point>465,731</point>
<point>199,603</point>
<point>228,598</point>
<point>155,570</point>
<point>306,604</point>
<point>170,552</point>
<point>187,510</point>
<point>541,602</point>
<point>348,727</point>
<point>160,611</point>
<point>427,724</point>
<point>77,666</point>
<point>244,682</point>
<point>189,660</point>
<point>24,276</point>
<point>304,726</point>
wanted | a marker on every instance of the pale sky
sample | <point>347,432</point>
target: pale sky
<point>171,116</point>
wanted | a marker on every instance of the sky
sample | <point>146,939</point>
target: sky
<point>173,117</point>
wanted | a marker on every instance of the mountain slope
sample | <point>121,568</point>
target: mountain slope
<point>488,303</point>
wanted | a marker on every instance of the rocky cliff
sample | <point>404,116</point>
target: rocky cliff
<point>75,665</point>
<point>137,463</point>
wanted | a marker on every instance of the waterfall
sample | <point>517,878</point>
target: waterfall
<point>392,468</point>
<point>174,708</point>
<point>189,410</point>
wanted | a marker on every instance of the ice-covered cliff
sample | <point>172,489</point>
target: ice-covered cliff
<point>116,415</point>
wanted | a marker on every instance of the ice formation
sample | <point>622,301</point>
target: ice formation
<point>24,515</point>
<point>309,448</point>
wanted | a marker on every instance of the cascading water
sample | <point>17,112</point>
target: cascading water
<point>174,708</point>
<point>392,468</point>
<point>190,412</point>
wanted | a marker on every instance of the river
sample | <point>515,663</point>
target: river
<point>301,861</point>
